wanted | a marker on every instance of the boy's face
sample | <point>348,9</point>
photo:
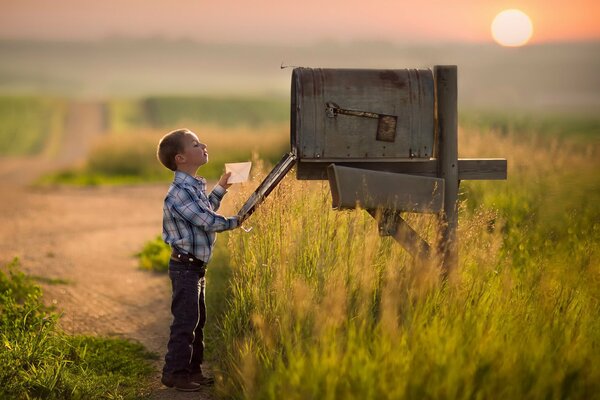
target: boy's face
<point>194,153</point>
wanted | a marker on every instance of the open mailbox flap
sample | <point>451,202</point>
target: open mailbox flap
<point>267,185</point>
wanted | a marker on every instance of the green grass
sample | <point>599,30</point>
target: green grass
<point>30,125</point>
<point>170,112</point>
<point>573,127</point>
<point>321,307</point>
<point>155,255</point>
<point>40,361</point>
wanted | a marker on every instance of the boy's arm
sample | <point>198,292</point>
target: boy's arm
<point>219,191</point>
<point>216,196</point>
<point>187,205</point>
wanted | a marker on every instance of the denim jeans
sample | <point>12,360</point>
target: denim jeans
<point>185,350</point>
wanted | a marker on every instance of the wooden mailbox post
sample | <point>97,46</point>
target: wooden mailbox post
<point>387,141</point>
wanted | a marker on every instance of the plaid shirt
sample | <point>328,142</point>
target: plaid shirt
<point>190,222</point>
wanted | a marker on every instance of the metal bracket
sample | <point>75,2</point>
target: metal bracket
<point>386,125</point>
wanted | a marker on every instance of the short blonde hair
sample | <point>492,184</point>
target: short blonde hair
<point>169,146</point>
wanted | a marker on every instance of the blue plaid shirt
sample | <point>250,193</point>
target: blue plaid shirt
<point>190,222</point>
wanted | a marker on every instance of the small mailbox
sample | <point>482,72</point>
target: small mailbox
<point>360,114</point>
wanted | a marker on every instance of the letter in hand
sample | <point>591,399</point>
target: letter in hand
<point>240,172</point>
<point>223,180</point>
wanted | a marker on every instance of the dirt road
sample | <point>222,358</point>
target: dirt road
<point>88,237</point>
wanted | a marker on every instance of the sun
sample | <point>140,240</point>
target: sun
<point>512,28</point>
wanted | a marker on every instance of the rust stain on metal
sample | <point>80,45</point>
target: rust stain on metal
<point>386,128</point>
<point>393,78</point>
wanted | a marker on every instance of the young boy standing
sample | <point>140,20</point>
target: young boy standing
<point>190,223</point>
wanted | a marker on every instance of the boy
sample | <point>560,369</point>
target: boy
<point>190,224</point>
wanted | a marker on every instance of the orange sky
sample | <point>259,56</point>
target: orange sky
<point>301,21</point>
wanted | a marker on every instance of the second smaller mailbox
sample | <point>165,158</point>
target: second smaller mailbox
<point>360,115</point>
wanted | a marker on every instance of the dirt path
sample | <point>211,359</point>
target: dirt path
<point>88,237</point>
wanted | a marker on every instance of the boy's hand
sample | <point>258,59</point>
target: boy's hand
<point>223,180</point>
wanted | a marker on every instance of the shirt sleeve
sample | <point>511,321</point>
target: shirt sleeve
<point>188,206</point>
<point>216,196</point>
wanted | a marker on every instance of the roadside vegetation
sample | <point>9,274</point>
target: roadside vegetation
<point>41,361</point>
<point>320,306</point>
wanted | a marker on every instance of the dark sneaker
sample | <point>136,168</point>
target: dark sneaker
<point>167,380</point>
<point>200,379</point>
<point>182,383</point>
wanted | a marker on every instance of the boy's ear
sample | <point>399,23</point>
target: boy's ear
<point>179,158</point>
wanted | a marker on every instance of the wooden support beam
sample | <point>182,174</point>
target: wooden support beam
<point>392,224</point>
<point>468,168</point>
<point>445,77</point>
<point>481,169</point>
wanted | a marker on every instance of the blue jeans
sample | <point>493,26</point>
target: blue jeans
<point>185,350</point>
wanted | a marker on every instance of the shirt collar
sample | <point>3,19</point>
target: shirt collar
<point>183,178</point>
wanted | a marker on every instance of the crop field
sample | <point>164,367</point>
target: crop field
<point>30,125</point>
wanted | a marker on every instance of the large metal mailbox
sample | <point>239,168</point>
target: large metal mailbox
<point>387,141</point>
<point>359,114</point>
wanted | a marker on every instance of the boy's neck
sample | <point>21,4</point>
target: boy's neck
<point>189,170</point>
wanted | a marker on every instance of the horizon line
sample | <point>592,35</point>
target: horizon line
<point>313,43</point>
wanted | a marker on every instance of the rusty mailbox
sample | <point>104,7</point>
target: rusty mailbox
<point>349,114</point>
<point>386,140</point>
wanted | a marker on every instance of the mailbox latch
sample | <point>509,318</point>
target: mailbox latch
<point>386,126</point>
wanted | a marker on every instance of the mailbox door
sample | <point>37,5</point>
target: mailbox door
<point>267,185</point>
<point>354,114</point>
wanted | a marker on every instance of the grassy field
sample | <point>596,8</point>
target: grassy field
<point>168,112</point>
<point>235,129</point>
<point>31,125</point>
<point>321,307</point>
<point>40,361</point>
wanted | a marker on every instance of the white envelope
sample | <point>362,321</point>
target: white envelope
<point>239,171</point>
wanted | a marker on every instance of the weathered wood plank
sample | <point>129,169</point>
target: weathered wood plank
<point>482,169</point>
<point>468,168</point>
<point>445,77</point>
<point>392,224</point>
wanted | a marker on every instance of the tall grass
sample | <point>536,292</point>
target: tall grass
<point>321,307</point>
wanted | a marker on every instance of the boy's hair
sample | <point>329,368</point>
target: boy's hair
<point>169,146</point>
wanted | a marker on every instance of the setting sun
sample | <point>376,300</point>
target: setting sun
<point>512,28</point>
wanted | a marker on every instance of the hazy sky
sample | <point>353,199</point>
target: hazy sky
<point>301,21</point>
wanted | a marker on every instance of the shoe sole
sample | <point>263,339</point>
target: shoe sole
<point>188,390</point>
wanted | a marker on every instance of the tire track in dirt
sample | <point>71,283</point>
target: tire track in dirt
<point>88,237</point>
